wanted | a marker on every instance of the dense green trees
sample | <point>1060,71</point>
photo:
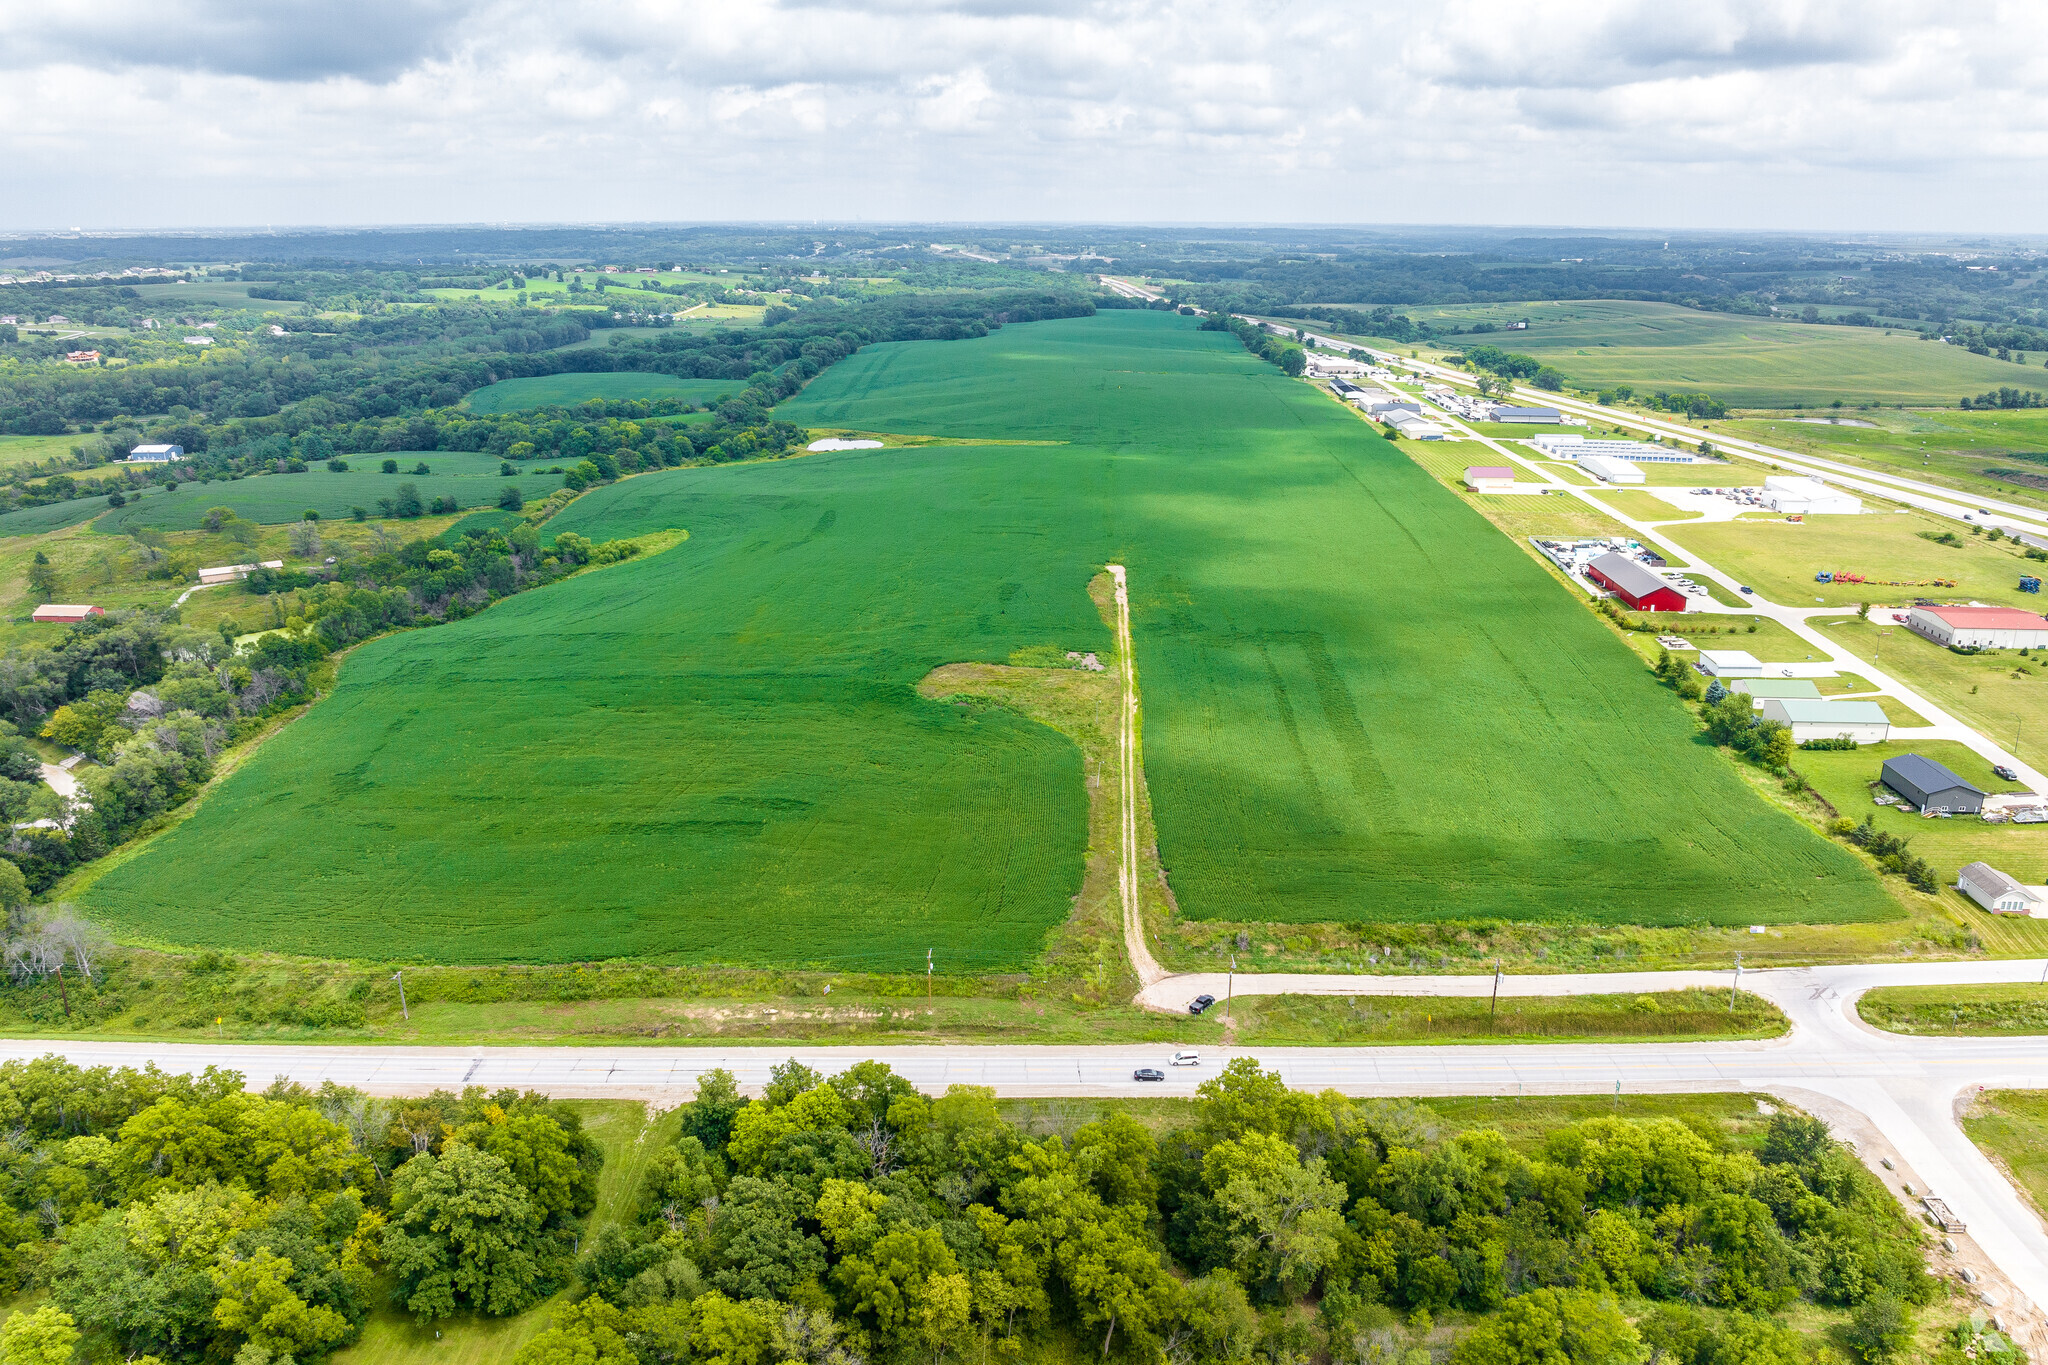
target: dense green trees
<point>186,1219</point>
<point>849,1217</point>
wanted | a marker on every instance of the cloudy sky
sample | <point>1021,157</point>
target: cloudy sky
<point>1700,113</point>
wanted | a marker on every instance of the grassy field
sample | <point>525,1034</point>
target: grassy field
<point>472,480</point>
<point>727,743</point>
<point>20,450</point>
<point>1780,558</point>
<point>1978,452</point>
<point>1745,362</point>
<point>1843,779</point>
<point>2001,694</point>
<point>2012,1126</point>
<point>1957,1011</point>
<point>511,395</point>
<point>210,293</point>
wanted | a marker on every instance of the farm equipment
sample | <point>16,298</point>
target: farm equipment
<point>1823,577</point>
<point>2030,585</point>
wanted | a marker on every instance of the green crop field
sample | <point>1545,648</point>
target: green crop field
<point>1351,686</point>
<point>511,395</point>
<point>33,521</point>
<point>1745,362</point>
<point>274,498</point>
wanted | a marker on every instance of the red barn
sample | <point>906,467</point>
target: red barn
<point>1634,584</point>
<point>65,612</point>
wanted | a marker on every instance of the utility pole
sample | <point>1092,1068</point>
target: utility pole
<point>1735,983</point>
<point>1230,986</point>
<point>399,977</point>
<point>927,976</point>
<point>1495,1012</point>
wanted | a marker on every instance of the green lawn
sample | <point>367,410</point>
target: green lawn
<point>1349,679</point>
<point>1780,558</point>
<point>1843,778</point>
<point>511,395</point>
<point>2000,693</point>
<point>1745,362</point>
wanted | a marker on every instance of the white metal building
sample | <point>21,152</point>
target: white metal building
<point>157,454</point>
<point>1863,721</point>
<point>1610,470</point>
<point>1996,892</point>
<point>1729,663</point>
<point>1981,627</point>
<point>1799,495</point>
<point>1411,424</point>
<point>1490,478</point>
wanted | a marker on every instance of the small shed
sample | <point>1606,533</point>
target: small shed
<point>1824,718</point>
<point>1729,663</point>
<point>1995,891</point>
<point>61,612</point>
<point>1930,786</point>
<point>1489,478</point>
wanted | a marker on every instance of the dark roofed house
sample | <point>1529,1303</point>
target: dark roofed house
<point>1930,786</point>
<point>1634,584</point>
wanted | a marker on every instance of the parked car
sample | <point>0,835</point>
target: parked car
<point>1200,1003</point>
<point>2007,773</point>
<point>1747,588</point>
<point>1148,1073</point>
<point>1187,1059</point>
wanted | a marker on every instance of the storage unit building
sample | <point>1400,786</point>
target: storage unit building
<point>65,612</point>
<point>1996,892</point>
<point>1821,718</point>
<point>1982,627</point>
<point>1930,786</point>
<point>1633,583</point>
<point>1729,663</point>
<point>1610,470</point>
<point>1489,478</point>
<point>1783,493</point>
<point>1565,445</point>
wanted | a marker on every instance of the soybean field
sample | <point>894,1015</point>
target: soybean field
<point>1361,703</point>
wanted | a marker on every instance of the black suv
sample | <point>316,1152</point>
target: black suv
<point>1200,1003</point>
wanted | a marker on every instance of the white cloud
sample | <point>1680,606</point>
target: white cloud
<point>1799,113</point>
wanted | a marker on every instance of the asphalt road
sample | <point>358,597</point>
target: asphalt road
<point>1894,1095</point>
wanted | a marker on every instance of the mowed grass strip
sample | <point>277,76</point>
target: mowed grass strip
<point>1362,703</point>
<point>1958,1011</point>
<point>566,390</point>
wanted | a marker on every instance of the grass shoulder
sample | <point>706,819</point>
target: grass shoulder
<point>1990,1011</point>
